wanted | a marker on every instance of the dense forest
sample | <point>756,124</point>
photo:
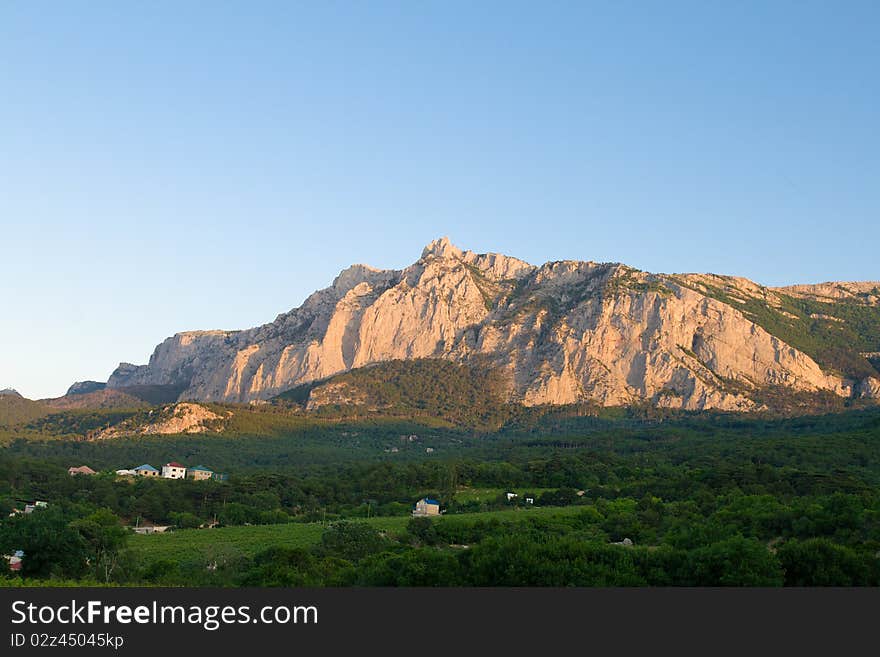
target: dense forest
<point>690,499</point>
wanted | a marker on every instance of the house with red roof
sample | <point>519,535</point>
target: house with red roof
<point>80,470</point>
<point>174,470</point>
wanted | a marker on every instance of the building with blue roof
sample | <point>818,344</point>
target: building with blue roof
<point>146,470</point>
<point>426,507</point>
<point>199,472</point>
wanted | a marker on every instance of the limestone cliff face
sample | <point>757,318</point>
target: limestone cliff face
<point>564,332</point>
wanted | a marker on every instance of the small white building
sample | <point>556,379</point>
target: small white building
<point>14,560</point>
<point>152,529</point>
<point>174,470</point>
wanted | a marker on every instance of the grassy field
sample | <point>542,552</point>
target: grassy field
<point>192,544</point>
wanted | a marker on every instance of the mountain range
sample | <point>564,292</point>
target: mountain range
<point>559,333</point>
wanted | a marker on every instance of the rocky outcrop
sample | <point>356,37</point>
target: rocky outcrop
<point>563,332</point>
<point>869,388</point>
<point>175,419</point>
<point>85,387</point>
<point>864,292</point>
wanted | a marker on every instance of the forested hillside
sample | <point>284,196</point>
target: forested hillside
<point>695,500</point>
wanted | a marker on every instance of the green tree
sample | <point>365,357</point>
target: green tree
<point>423,530</point>
<point>185,520</point>
<point>351,540</point>
<point>105,538</point>
<point>51,547</point>
<point>420,567</point>
<point>237,514</point>
<point>736,561</point>
<point>522,560</point>
<point>819,562</point>
<point>283,566</point>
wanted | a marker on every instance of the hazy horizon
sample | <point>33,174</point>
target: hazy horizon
<point>168,168</point>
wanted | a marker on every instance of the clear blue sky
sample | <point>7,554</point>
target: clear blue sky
<point>167,166</point>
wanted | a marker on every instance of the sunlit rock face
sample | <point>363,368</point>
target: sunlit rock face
<point>564,332</point>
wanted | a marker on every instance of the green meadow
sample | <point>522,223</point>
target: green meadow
<point>225,542</point>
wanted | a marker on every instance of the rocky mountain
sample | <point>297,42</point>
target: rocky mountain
<point>9,392</point>
<point>562,332</point>
<point>85,387</point>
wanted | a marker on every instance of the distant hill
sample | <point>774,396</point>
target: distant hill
<point>459,393</point>
<point>9,392</point>
<point>16,410</point>
<point>138,396</point>
<point>102,398</point>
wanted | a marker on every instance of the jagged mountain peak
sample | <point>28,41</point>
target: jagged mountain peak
<point>354,275</point>
<point>442,248</point>
<point>496,266</point>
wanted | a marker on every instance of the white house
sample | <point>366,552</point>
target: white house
<point>38,504</point>
<point>174,470</point>
<point>152,529</point>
